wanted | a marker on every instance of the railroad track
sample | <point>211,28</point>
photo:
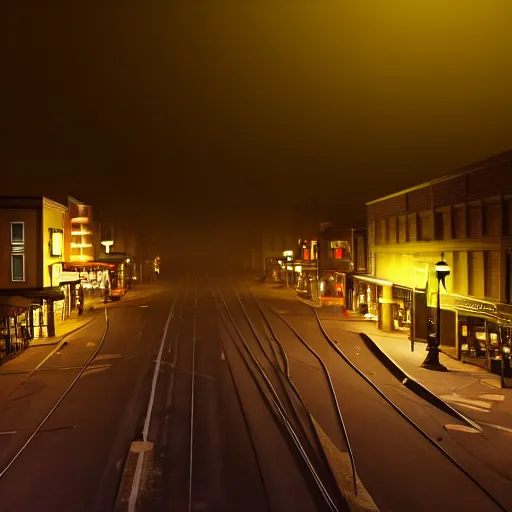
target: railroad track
<point>30,438</point>
<point>269,370</point>
<point>272,317</point>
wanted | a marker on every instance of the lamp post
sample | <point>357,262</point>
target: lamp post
<point>432,360</point>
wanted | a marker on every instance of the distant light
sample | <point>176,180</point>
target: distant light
<point>128,260</point>
<point>79,233</point>
<point>298,268</point>
<point>79,220</point>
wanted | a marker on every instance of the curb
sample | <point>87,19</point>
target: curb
<point>413,385</point>
<point>62,338</point>
<point>308,303</point>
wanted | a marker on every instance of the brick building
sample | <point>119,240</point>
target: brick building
<point>466,219</point>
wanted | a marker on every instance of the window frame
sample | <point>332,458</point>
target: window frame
<point>13,255</point>
<point>17,242</point>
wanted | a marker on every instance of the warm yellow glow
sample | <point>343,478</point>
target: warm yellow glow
<point>80,257</point>
<point>80,220</point>
<point>107,244</point>
<point>57,243</point>
<point>79,233</point>
<point>298,268</point>
<point>288,253</point>
<point>289,267</point>
<point>80,246</point>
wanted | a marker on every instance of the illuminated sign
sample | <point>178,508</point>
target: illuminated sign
<point>56,242</point>
<point>288,255</point>
<point>107,244</point>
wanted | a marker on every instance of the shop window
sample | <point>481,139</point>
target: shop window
<point>307,255</point>
<point>17,233</point>
<point>18,267</point>
<point>339,249</point>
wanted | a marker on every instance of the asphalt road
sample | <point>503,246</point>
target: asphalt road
<point>168,365</point>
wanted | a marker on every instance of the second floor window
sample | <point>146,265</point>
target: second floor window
<point>17,233</point>
<point>339,249</point>
<point>17,267</point>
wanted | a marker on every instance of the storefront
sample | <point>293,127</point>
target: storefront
<point>365,295</point>
<point>333,286</point>
<point>402,308</point>
<point>93,276</point>
<point>119,274</point>
<point>483,331</point>
<point>14,325</point>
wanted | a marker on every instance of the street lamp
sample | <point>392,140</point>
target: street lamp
<point>432,360</point>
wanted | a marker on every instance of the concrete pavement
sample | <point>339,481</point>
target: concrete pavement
<point>484,455</point>
<point>222,446</point>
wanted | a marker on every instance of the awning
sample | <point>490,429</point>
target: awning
<point>69,277</point>
<point>16,302</point>
<point>373,280</point>
<point>41,293</point>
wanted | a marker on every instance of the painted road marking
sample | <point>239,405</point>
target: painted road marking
<point>493,398</point>
<point>467,402</point>
<point>497,427</point>
<point>132,500</point>
<point>107,356</point>
<point>462,428</point>
<point>51,354</point>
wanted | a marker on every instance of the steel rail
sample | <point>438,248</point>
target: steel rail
<point>240,404</point>
<point>406,417</point>
<point>334,397</point>
<point>274,398</point>
<point>60,400</point>
<point>288,381</point>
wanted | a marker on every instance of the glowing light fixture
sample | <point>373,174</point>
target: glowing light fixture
<point>298,268</point>
<point>80,220</point>
<point>107,244</point>
<point>80,246</point>
<point>56,243</point>
<point>79,233</point>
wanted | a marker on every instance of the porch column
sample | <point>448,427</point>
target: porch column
<point>50,318</point>
<point>386,310</point>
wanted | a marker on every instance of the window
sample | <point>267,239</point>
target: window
<point>475,219</point>
<point>424,232</point>
<point>17,267</point>
<point>381,232</point>
<point>17,233</point>
<point>492,218</point>
<point>339,250</point>
<point>459,221</point>
<point>402,229</point>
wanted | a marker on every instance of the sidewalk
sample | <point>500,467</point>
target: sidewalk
<point>467,388</point>
<point>70,325</point>
<point>397,346</point>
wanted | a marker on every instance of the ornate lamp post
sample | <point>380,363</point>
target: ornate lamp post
<point>432,360</point>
